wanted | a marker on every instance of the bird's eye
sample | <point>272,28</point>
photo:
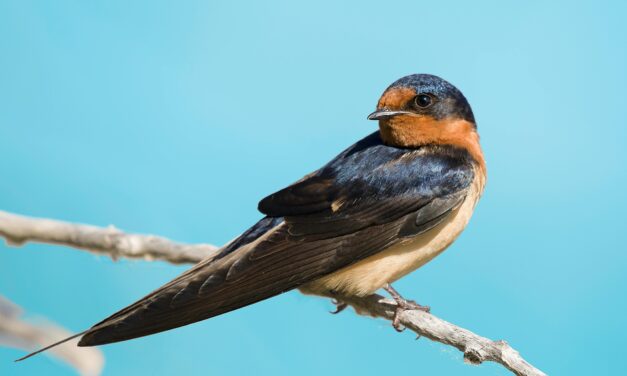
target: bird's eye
<point>423,100</point>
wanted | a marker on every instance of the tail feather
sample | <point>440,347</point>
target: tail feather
<point>53,345</point>
<point>271,264</point>
<point>92,336</point>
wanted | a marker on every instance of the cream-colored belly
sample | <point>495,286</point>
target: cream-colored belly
<point>368,275</point>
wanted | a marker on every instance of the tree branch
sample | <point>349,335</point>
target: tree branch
<point>110,241</point>
<point>476,349</point>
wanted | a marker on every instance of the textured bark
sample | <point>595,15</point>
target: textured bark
<point>476,349</point>
<point>109,241</point>
<point>112,242</point>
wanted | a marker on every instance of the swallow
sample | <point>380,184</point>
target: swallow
<point>379,210</point>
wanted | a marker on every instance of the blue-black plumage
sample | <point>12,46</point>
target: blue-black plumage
<point>379,210</point>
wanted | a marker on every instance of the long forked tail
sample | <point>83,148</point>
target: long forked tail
<point>168,294</point>
<point>51,346</point>
<point>271,264</point>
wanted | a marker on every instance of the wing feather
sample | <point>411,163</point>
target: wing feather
<point>370,197</point>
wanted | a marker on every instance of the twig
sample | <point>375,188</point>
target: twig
<point>110,241</point>
<point>476,349</point>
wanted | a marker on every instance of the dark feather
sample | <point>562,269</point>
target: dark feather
<point>365,200</point>
<point>369,183</point>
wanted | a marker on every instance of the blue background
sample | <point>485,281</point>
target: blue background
<point>175,118</point>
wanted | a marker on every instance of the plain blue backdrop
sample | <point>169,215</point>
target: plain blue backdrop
<point>175,118</point>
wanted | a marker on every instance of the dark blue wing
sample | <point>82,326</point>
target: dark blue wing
<point>264,225</point>
<point>372,183</point>
<point>365,200</point>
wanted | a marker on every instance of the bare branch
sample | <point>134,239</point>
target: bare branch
<point>18,230</point>
<point>14,332</point>
<point>110,241</point>
<point>476,349</point>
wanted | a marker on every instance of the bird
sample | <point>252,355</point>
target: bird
<point>379,210</point>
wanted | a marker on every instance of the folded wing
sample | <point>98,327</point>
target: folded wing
<point>366,199</point>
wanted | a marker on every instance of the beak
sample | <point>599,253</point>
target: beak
<point>386,114</point>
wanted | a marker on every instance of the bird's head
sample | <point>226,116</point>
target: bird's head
<point>422,109</point>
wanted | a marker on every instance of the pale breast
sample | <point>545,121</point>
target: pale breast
<point>368,275</point>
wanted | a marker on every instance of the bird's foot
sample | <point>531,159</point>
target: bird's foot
<point>402,304</point>
<point>339,306</point>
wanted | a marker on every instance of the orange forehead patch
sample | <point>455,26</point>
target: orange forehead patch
<point>396,98</point>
